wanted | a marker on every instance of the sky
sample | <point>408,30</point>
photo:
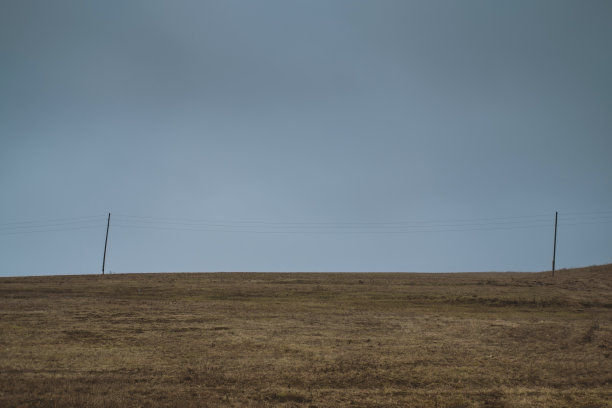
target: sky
<point>306,135</point>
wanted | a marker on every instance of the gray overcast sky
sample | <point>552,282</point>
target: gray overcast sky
<point>304,135</point>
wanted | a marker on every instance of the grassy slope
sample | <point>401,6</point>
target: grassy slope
<point>252,339</point>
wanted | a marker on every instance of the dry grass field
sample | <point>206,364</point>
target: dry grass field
<point>308,340</point>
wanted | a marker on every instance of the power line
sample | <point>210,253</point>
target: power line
<point>332,223</point>
<point>53,221</point>
<point>326,231</point>
<point>323,226</point>
<point>305,227</point>
<point>49,230</point>
<point>29,227</point>
<point>387,226</point>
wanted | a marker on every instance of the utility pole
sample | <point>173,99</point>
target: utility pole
<point>106,242</point>
<point>555,244</point>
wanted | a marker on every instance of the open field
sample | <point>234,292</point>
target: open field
<point>308,340</point>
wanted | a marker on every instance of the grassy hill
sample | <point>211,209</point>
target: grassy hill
<point>308,340</point>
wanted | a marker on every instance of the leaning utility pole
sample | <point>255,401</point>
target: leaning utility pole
<point>555,244</point>
<point>106,242</point>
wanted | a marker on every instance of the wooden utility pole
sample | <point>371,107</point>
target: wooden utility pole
<point>106,243</point>
<point>555,244</point>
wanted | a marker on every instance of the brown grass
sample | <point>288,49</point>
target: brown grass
<point>308,340</point>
